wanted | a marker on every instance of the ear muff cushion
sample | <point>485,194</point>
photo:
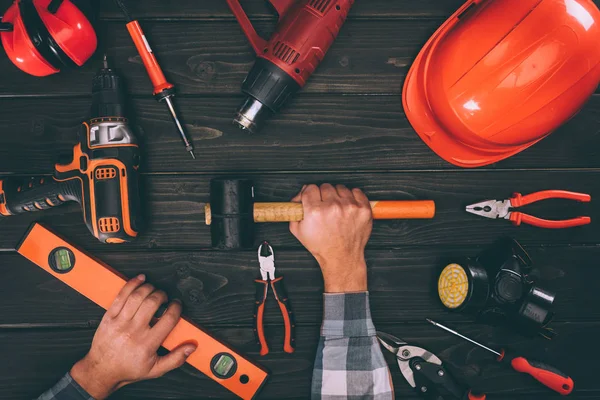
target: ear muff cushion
<point>70,29</point>
<point>19,47</point>
<point>41,38</point>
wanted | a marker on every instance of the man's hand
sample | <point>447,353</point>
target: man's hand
<point>336,228</point>
<point>124,347</point>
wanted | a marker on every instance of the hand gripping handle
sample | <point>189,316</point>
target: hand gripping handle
<point>18,196</point>
<point>257,43</point>
<point>288,212</point>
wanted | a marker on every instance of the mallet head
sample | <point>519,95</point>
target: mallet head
<point>232,208</point>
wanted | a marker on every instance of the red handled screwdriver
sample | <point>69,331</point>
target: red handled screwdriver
<point>163,90</point>
<point>545,374</point>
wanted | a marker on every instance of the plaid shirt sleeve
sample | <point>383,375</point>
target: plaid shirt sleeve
<point>66,389</point>
<point>349,362</point>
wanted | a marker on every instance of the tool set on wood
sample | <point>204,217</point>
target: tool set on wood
<point>494,79</point>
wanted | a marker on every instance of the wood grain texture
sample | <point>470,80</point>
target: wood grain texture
<point>175,209</point>
<point>218,289</point>
<point>47,355</point>
<point>313,134</point>
<point>368,57</point>
<point>346,126</point>
<point>260,9</point>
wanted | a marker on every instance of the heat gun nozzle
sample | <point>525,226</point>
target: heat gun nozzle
<point>252,115</point>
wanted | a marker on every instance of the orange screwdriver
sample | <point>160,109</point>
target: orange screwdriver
<point>163,90</point>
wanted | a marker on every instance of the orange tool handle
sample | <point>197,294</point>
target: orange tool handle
<point>157,77</point>
<point>101,284</point>
<point>287,212</point>
<point>545,374</point>
<point>289,342</point>
<point>259,313</point>
<point>519,218</point>
<point>518,200</point>
<point>404,209</point>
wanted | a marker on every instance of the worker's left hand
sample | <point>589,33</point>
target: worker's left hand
<point>124,347</point>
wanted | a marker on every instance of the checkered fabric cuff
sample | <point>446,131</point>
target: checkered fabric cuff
<point>66,389</point>
<point>349,363</point>
<point>347,315</point>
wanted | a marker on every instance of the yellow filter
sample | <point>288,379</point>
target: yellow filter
<point>453,286</point>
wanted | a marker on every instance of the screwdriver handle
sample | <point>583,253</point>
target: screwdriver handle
<point>548,376</point>
<point>159,82</point>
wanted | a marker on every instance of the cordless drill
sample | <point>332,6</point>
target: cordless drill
<point>102,177</point>
<point>306,30</point>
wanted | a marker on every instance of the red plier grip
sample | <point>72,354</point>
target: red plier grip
<point>289,343</point>
<point>519,200</point>
<point>519,218</point>
<point>262,288</point>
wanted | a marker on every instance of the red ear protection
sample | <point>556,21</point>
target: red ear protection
<point>42,36</point>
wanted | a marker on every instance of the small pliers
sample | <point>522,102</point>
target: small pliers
<point>424,371</point>
<point>266,259</point>
<point>497,209</point>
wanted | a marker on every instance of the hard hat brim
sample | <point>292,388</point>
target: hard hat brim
<point>422,118</point>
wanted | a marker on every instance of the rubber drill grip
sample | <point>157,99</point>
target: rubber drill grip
<point>159,82</point>
<point>18,196</point>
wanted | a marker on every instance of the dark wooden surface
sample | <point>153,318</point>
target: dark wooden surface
<point>347,126</point>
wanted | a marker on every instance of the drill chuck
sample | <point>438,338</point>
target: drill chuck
<point>108,94</point>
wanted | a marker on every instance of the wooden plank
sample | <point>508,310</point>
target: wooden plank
<point>368,57</point>
<point>324,133</point>
<point>218,288</point>
<point>175,209</point>
<point>46,355</point>
<point>259,9</point>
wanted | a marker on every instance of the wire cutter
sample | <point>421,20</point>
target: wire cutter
<point>497,209</point>
<point>424,371</point>
<point>266,259</point>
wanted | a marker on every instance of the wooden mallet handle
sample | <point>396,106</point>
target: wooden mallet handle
<point>287,212</point>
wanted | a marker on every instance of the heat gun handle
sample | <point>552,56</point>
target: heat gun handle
<point>257,43</point>
<point>19,196</point>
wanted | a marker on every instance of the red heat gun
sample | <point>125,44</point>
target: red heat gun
<point>306,30</point>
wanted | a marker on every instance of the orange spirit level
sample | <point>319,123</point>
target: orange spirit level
<point>101,284</point>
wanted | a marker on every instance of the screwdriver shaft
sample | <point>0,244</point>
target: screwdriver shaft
<point>463,337</point>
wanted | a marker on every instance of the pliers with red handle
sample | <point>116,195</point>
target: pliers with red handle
<point>266,258</point>
<point>497,209</point>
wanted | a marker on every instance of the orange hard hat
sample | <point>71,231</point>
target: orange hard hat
<point>499,76</point>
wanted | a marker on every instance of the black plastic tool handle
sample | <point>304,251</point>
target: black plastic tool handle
<point>18,196</point>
